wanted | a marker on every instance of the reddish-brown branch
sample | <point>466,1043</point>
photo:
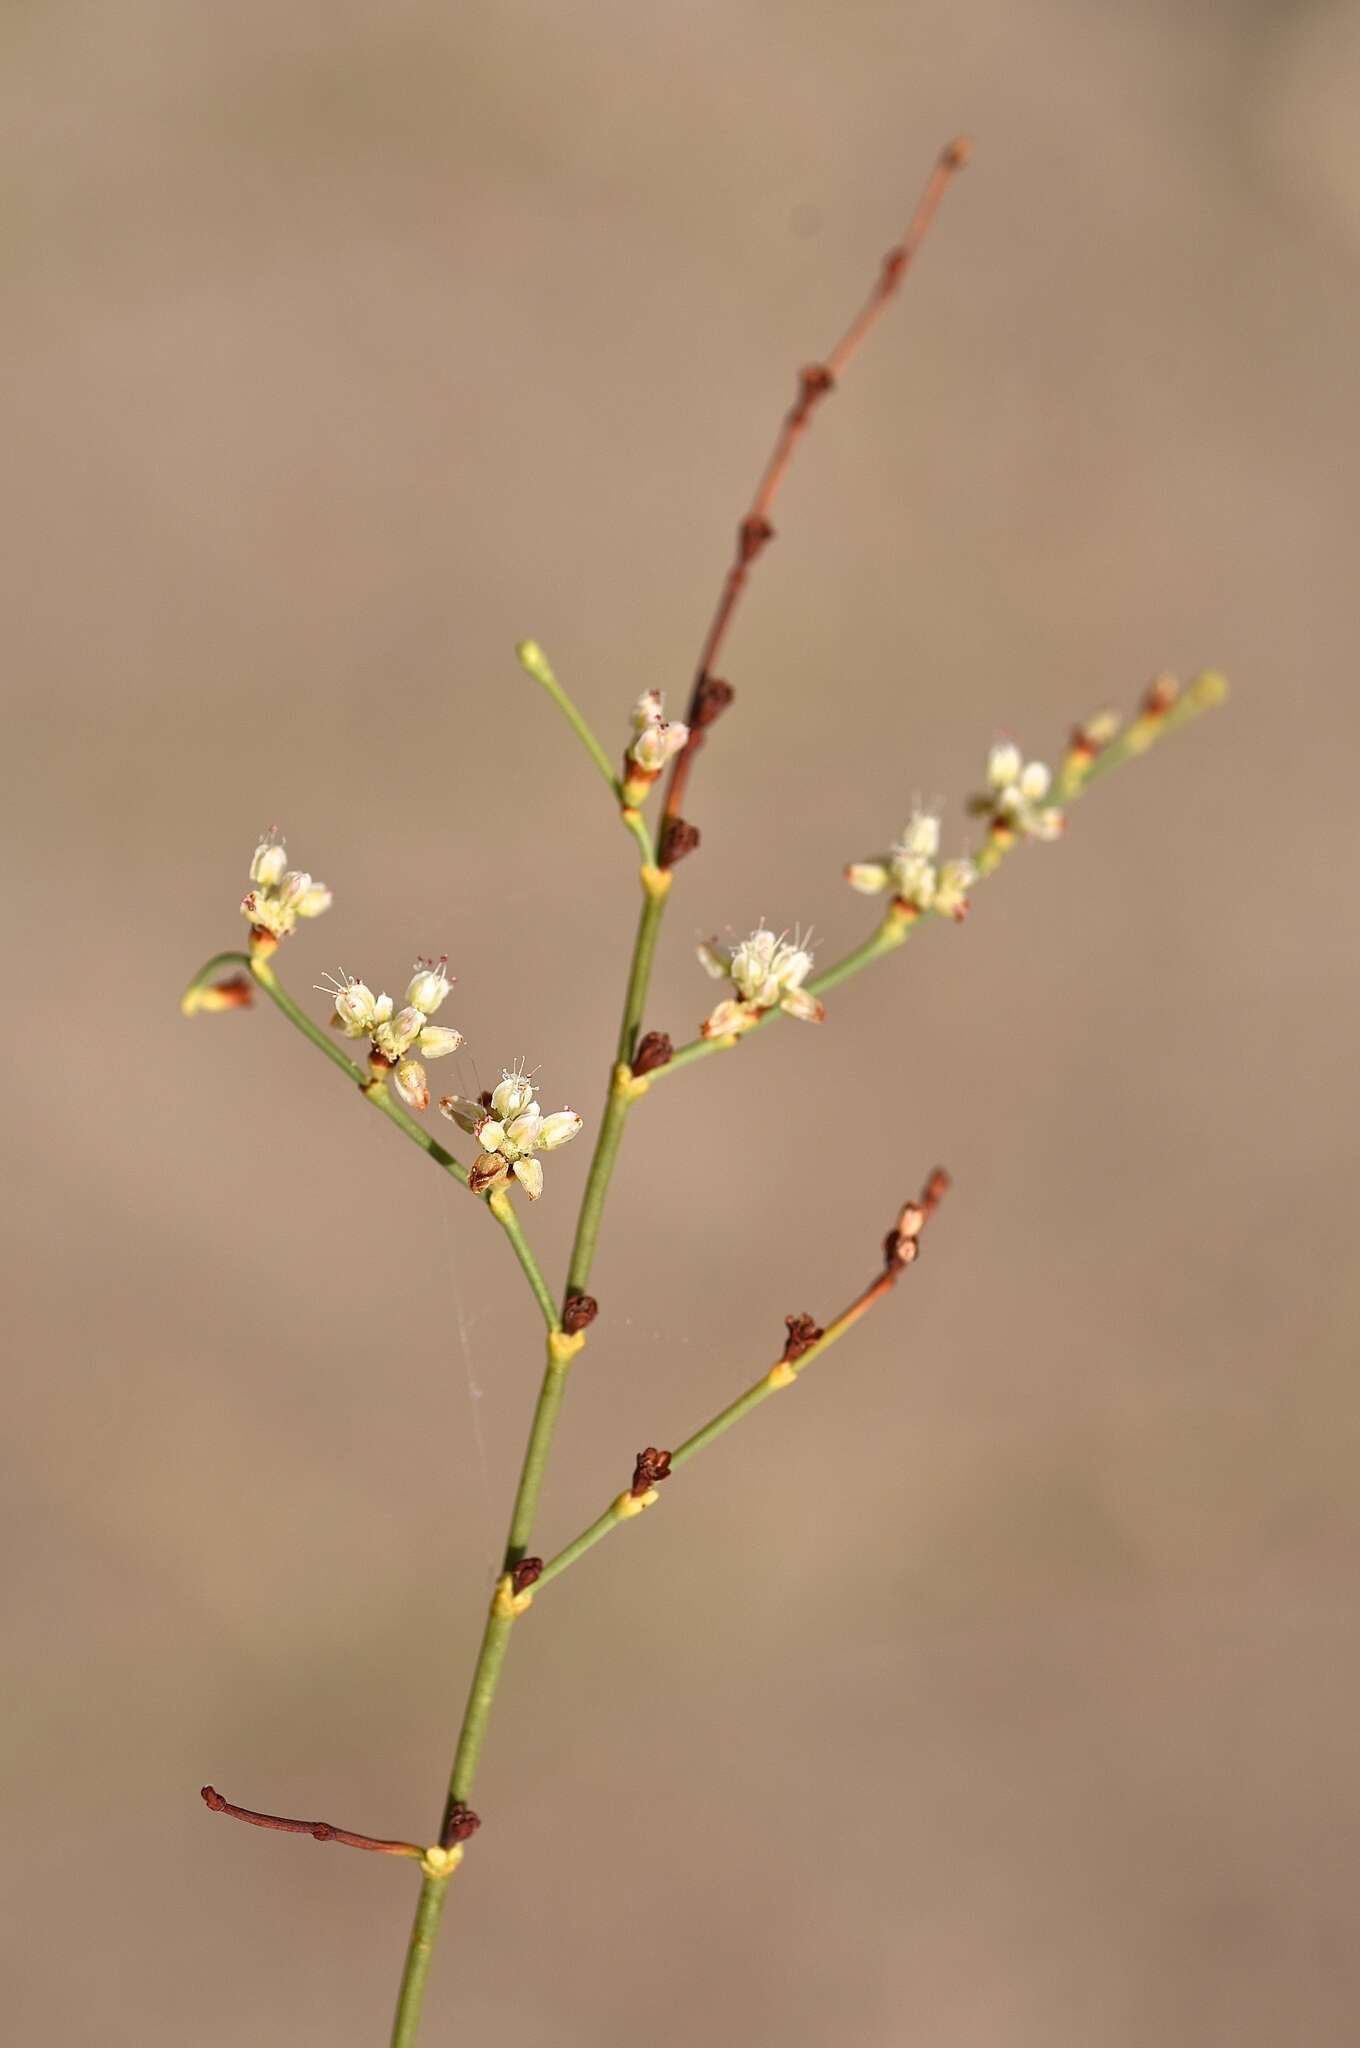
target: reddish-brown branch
<point>319,1830</point>
<point>755,532</point>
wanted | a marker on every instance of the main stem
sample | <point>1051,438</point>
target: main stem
<point>506,1605</point>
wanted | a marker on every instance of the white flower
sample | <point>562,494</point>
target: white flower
<point>271,859</point>
<point>429,984</point>
<point>356,1006</point>
<point>952,884</point>
<point>766,969</point>
<point>394,1033</point>
<point>1004,764</point>
<point>279,895</point>
<point>910,871</point>
<point>1016,792</point>
<point>656,740</point>
<point>510,1128</point>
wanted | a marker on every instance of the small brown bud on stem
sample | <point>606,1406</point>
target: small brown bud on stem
<point>654,1050</point>
<point>651,1468</point>
<point>804,1331</point>
<point>678,838</point>
<point>578,1313</point>
<point>711,698</point>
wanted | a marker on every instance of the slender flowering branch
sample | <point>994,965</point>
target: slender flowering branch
<point>815,383</point>
<point>1164,709</point>
<point>372,1086</point>
<point>805,1341</point>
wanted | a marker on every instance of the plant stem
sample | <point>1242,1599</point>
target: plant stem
<point>376,1093</point>
<point>411,1997</point>
<point>535,662</point>
<point>780,1374</point>
<point>624,1086</point>
<point>486,1673</point>
<point>815,384</point>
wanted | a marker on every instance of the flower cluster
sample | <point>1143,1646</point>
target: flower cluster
<point>912,873</point>
<point>1016,793</point>
<point>656,740</point>
<point>396,1035</point>
<point>767,969</point>
<point>280,895</point>
<point>510,1127</point>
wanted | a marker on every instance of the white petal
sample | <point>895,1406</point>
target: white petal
<point>408,1079</point>
<point>1003,764</point>
<point>438,1040</point>
<point>870,877</point>
<point>314,900</point>
<point>726,1021</point>
<point>529,1174</point>
<point>559,1129</point>
<point>799,1003</point>
<point>522,1131</point>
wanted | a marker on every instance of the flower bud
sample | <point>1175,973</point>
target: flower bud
<point>355,1006</point>
<point>438,1040</point>
<point>1034,781</point>
<point>429,985</point>
<point>486,1170</point>
<point>529,1174</point>
<point>655,745</point>
<point>1003,764</point>
<point>409,1081</point>
<point>648,710</point>
<point>559,1129</point>
<point>870,877</point>
<point>267,866</point>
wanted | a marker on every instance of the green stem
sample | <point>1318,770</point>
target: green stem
<point>656,883</point>
<point>535,662</point>
<point>624,1087</point>
<point>770,1382</point>
<point>412,1994</point>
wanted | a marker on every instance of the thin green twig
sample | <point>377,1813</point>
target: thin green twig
<point>535,662</point>
<point>783,1373</point>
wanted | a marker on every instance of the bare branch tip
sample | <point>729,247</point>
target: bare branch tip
<point>956,154</point>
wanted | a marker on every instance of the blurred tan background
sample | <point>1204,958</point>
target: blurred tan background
<point>1001,1687</point>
